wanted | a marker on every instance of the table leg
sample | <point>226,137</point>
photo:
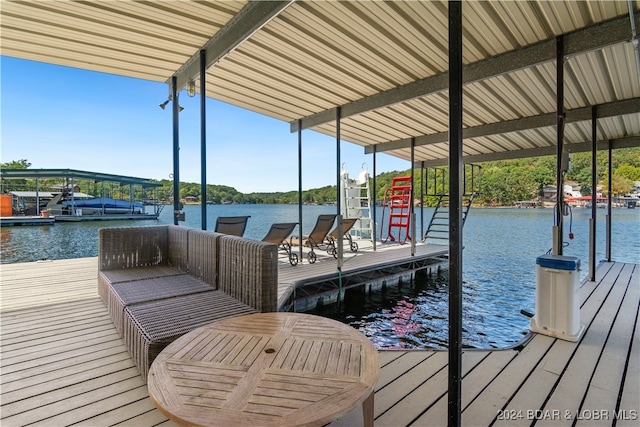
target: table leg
<point>367,410</point>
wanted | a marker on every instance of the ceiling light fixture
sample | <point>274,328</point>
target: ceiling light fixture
<point>191,88</point>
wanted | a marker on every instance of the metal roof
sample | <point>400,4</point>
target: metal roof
<point>78,174</point>
<point>383,65</point>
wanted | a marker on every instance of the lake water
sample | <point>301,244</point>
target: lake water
<point>500,250</point>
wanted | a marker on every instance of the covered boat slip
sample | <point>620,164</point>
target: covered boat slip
<point>64,363</point>
<point>446,82</point>
<point>66,203</point>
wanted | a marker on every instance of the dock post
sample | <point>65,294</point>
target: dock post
<point>456,169</point>
<point>203,139</point>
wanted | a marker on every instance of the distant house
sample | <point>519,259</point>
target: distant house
<point>549,192</point>
<point>191,199</point>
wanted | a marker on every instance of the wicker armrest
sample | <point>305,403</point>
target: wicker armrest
<point>248,271</point>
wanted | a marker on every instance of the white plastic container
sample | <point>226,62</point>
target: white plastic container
<point>558,297</point>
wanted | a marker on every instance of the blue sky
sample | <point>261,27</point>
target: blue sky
<point>60,117</point>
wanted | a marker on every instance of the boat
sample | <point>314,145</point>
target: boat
<point>84,205</point>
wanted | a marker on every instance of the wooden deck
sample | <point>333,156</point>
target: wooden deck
<point>63,362</point>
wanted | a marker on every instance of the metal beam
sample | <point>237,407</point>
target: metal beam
<point>74,173</point>
<point>581,147</point>
<point>609,191</point>
<point>456,171</point>
<point>175,111</point>
<point>611,109</point>
<point>250,19</point>
<point>203,140</point>
<point>583,40</point>
<point>558,229</point>
<point>594,201</point>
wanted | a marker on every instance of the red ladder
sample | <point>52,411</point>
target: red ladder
<point>398,198</point>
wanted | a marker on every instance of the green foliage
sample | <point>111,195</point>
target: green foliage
<point>503,182</point>
<point>16,164</point>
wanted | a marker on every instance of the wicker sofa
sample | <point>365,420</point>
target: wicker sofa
<point>160,282</point>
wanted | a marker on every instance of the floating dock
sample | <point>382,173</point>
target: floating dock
<point>6,221</point>
<point>115,217</point>
<point>303,287</point>
<point>9,221</point>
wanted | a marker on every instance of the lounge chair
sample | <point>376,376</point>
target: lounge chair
<point>332,238</point>
<point>317,236</point>
<point>278,234</point>
<point>231,225</point>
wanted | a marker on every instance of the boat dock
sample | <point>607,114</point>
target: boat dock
<point>6,221</point>
<point>64,363</point>
<point>304,286</point>
<point>106,217</point>
<point>39,220</point>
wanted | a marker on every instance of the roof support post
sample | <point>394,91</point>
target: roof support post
<point>38,196</point>
<point>609,189</point>
<point>412,212</point>
<point>559,144</point>
<point>300,188</point>
<point>455,214</point>
<point>175,108</point>
<point>423,177</point>
<point>594,183</point>
<point>375,197</point>
<point>339,242</point>
<point>203,139</point>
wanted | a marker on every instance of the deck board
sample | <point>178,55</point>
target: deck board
<point>64,363</point>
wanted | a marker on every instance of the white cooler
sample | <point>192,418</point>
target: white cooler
<point>558,297</point>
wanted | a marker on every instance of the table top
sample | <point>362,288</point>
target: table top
<point>264,369</point>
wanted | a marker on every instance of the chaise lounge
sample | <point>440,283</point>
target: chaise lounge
<point>316,238</point>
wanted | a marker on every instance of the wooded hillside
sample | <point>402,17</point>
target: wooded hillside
<point>502,182</point>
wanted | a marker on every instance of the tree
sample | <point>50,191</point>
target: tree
<point>16,164</point>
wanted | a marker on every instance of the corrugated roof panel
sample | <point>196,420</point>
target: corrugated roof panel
<point>391,38</point>
<point>238,91</point>
<point>519,88</point>
<point>417,121</point>
<point>334,55</point>
<point>297,42</point>
<point>482,23</point>
<point>602,76</point>
<point>324,90</point>
<point>626,125</point>
<point>429,112</point>
<point>561,17</point>
<point>624,73</point>
<point>485,102</point>
<point>316,56</point>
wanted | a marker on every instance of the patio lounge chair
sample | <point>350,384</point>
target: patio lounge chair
<point>332,238</point>
<point>231,225</point>
<point>317,236</point>
<point>278,234</point>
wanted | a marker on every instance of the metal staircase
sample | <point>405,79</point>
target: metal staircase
<point>438,228</point>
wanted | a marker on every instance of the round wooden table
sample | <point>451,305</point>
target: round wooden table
<point>266,369</point>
